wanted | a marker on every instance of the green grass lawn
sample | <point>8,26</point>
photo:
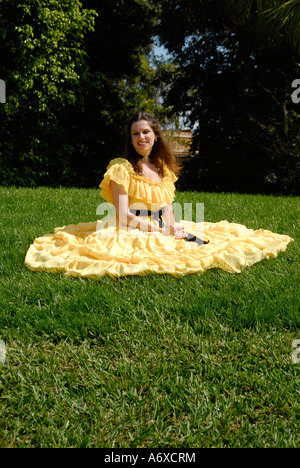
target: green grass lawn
<point>148,361</point>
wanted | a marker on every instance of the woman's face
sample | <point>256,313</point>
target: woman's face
<point>143,137</point>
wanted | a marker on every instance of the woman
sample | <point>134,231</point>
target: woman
<point>142,236</point>
<point>148,153</point>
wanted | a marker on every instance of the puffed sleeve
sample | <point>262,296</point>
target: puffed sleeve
<point>171,174</point>
<point>120,171</point>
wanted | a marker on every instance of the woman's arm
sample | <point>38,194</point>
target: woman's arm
<point>168,217</point>
<point>121,203</point>
<point>171,226</point>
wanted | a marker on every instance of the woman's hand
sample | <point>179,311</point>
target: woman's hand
<point>177,232</point>
<point>172,229</point>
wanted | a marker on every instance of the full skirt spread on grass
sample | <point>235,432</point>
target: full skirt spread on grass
<point>83,250</point>
<point>107,247</point>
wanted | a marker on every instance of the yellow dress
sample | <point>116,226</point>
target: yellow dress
<point>107,247</point>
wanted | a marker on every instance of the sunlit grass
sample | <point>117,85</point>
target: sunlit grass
<point>152,361</point>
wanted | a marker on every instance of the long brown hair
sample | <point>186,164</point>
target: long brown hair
<point>161,153</point>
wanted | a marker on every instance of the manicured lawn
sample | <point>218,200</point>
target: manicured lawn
<point>151,361</point>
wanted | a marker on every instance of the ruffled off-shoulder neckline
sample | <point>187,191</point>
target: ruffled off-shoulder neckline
<point>136,176</point>
<point>137,186</point>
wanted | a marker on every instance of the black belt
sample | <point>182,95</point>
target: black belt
<point>158,216</point>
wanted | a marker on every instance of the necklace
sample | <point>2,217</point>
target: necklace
<point>145,158</point>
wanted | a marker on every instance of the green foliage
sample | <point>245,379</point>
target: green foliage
<point>146,91</point>
<point>44,65</point>
<point>234,82</point>
<point>273,19</point>
<point>64,65</point>
<point>75,71</point>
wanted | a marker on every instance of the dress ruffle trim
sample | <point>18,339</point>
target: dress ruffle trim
<point>136,186</point>
<point>81,250</point>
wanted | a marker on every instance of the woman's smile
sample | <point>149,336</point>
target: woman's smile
<point>143,137</point>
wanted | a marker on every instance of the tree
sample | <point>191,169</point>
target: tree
<point>66,65</point>
<point>273,18</point>
<point>122,37</point>
<point>43,63</point>
<point>236,89</point>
